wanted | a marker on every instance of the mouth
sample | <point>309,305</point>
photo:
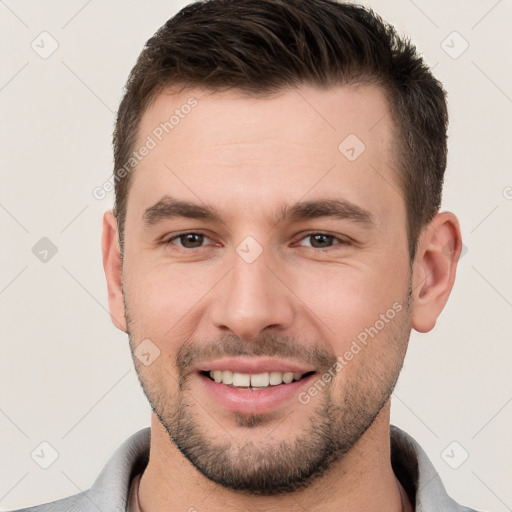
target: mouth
<point>250,386</point>
<point>254,382</point>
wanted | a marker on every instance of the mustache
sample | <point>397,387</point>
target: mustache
<point>192,352</point>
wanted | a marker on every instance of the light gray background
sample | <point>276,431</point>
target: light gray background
<point>66,376</point>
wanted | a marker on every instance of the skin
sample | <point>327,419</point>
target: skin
<point>245,157</point>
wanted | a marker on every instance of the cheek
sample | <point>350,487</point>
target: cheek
<point>346,299</point>
<point>163,297</point>
<point>372,358</point>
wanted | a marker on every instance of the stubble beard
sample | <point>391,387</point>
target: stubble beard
<point>334,426</point>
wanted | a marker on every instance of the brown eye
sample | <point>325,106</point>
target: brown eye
<point>319,240</point>
<point>188,240</point>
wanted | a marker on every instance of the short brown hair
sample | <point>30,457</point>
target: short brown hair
<point>263,46</point>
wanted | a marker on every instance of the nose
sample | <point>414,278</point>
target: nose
<point>253,297</point>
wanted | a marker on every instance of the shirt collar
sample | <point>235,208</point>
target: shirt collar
<point>410,463</point>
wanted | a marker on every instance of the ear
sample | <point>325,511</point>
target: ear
<point>435,264</point>
<point>112,264</point>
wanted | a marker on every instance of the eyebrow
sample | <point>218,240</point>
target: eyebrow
<point>169,208</point>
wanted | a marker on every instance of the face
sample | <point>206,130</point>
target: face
<point>261,246</point>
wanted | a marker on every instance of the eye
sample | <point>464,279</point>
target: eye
<point>321,240</point>
<point>190,240</point>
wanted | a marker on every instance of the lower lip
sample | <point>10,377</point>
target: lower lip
<point>247,401</point>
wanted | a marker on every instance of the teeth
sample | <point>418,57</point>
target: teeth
<point>227,377</point>
<point>241,380</point>
<point>259,380</point>
<point>275,378</point>
<point>287,377</point>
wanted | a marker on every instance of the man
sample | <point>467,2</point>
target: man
<point>276,236</point>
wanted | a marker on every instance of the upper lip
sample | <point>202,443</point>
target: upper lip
<point>254,365</point>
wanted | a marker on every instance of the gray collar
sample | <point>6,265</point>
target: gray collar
<point>110,491</point>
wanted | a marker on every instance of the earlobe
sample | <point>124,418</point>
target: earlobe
<point>435,265</point>
<point>112,266</point>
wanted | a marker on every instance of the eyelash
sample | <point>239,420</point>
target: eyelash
<point>341,241</point>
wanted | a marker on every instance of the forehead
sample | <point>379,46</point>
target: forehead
<point>328,114</point>
<point>242,150</point>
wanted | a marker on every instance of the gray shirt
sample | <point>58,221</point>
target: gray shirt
<point>111,489</point>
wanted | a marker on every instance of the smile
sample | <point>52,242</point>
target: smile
<point>254,381</point>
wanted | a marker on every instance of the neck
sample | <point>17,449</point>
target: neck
<point>362,480</point>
